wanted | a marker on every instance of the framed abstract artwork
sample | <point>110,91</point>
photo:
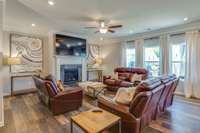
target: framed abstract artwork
<point>30,51</point>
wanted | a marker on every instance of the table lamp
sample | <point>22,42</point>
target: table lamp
<point>13,61</point>
<point>97,62</point>
<point>1,60</point>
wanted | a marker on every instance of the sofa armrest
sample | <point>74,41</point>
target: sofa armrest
<point>129,121</point>
<point>106,77</point>
<point>119,109</point>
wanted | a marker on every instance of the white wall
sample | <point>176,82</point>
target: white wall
<point>1,87</point>
<point>111,54</point>
<point>21,83</point>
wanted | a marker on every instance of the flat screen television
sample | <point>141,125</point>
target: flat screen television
<point>70,46</point>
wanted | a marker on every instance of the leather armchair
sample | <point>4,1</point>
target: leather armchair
<point>68,100</point>
<point>124,75</point>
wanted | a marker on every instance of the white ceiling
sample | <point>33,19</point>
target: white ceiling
<point>73,15</point>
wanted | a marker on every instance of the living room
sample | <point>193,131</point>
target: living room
<point>91,66</point>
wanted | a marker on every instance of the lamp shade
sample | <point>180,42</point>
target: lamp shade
<point>13,61</point>
<point>98,61</point>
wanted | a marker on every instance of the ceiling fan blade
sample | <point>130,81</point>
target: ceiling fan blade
<point>112,31</point>
<point>115,26</point>
<point>90,27</point>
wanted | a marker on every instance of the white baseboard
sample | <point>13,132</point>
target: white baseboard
<point>179,93</point>
<point>1,124</point>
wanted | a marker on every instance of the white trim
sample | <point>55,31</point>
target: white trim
<point>179,93</point>
<point>1,86</point>
<point>1,124</point>
<point>163,31</point>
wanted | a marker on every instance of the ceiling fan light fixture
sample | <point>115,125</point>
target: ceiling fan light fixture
<point>103,30</point>
<point>102,24</point>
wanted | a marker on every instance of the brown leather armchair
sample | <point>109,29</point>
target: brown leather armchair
<point>142,108</point>
<point>68,100</point>
<point>124,75</point>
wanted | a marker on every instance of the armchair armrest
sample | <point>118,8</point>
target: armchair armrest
<point>68,100</point>
<point>70,94</point>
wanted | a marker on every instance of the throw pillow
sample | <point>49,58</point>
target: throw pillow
<point>60,85</point>
<point>124,95</point>
<point>135,77</point>
<point>115,76</point>
<point>52,79</point>
<point>52,87</point>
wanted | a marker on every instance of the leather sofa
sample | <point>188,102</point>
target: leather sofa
<point>166,81</point>
<point>150,98</point>
<point>124,75</point>
<point>67,100</point>
<point>170,97</point>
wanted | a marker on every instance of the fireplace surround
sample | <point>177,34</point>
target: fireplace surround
<point>71,73</point>
<point>71,62</point>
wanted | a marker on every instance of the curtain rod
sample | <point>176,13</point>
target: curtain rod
<point>178,34</point>
<point>151,38</point>
<point>132,41</point>
<point>175,34</point>
<point>157,37</point>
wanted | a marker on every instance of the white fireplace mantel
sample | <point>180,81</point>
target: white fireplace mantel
<point>69,60</point>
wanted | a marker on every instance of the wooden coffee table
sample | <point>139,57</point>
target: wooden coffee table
<point>95,122</point>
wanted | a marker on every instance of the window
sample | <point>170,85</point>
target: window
<point>152,57</point>
<point>178,55</point>
<point>130,57</point>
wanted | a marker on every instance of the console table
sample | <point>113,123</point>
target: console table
<point>18,76</point>
<point>99,73</point>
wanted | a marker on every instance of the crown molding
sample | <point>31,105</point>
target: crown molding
<point>169,30</point>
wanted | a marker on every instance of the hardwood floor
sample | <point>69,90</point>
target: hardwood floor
<point>25,114</point>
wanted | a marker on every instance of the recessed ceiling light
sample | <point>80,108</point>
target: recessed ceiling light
<point>185,19</point>
<point>51,3</point>
<point>33,25</point>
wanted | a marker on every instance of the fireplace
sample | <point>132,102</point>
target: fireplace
<point>71,74</point>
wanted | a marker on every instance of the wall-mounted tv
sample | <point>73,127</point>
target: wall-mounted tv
<point>70,46</point>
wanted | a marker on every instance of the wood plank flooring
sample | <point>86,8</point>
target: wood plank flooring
<point>25,114</point>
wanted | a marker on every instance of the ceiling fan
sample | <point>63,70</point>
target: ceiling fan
<point>103,28</point>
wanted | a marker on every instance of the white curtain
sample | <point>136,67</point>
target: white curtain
<point>123,54</point>
<point>139,52</point>
<point>164,46</point>
<point>192,73</point>
<point>175,41</point>
<point>138,45</point>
